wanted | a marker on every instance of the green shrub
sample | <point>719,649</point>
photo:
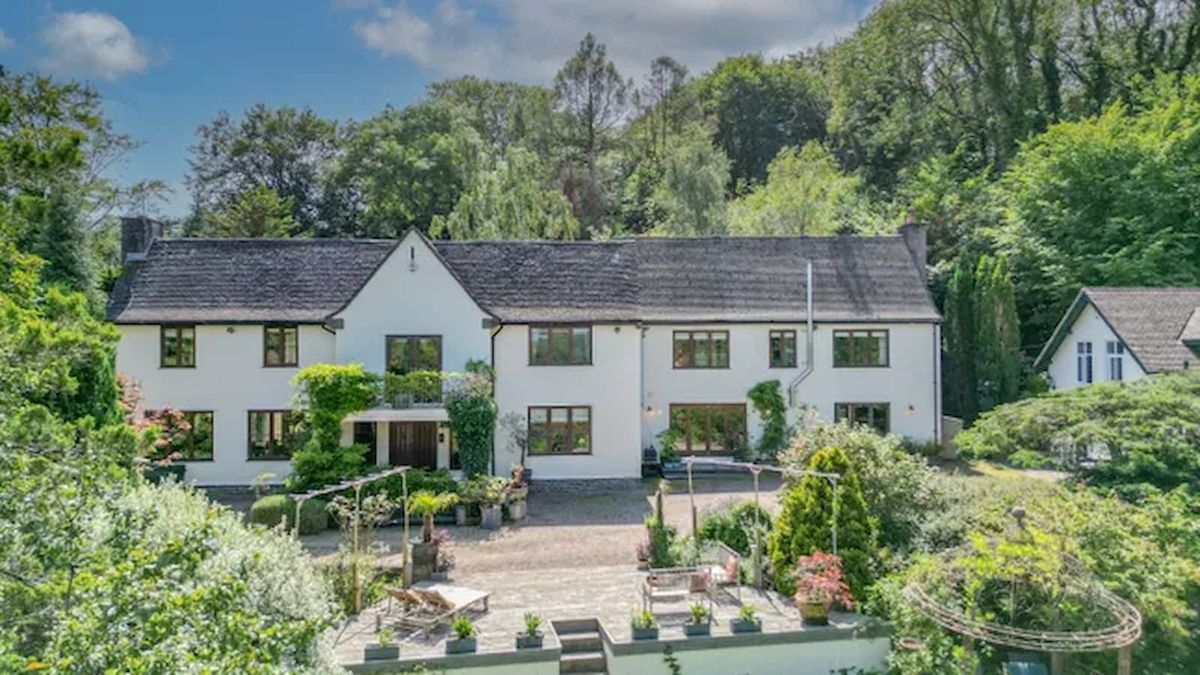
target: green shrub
<point>733,525</point>
<point>805,523</point>
<point>418,480</point>
<point>662,543</point>
<point>768,401</point>
<point>272,509</point>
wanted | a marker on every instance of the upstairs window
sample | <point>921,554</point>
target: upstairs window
<point>560,430</point>
<point>701,349</point>
<point>560,345</point>
<point>272,434</point>
<point>409,353</point>
<point>783,348</point>
<point>1116,360</point>
<point>874,415</point>
<point>1083,362</point>
<point>281,346</point>
<point>177,346</point>
<point>860,349</point>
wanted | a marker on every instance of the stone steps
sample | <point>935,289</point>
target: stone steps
<point>582,649</point>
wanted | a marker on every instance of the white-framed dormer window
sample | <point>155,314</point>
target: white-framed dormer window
<point>1083,362</point>
<point>1116,360</point>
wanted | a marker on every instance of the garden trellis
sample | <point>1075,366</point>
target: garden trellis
<point>756,470</point>
<point>1124,630</point>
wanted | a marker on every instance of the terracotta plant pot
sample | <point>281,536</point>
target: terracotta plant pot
<point>814,613</point>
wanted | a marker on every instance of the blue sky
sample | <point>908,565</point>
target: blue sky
<point>166,66</point>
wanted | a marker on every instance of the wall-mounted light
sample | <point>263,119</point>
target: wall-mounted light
<point>911,410</point>
<point>412,258</point>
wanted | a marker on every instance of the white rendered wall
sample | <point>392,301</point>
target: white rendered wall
<point>610,386</point>
<point>1089,326</point>
<point>910,384</point>
<point>402,300</point>
<point>229,379</point>
<point>785,658</point>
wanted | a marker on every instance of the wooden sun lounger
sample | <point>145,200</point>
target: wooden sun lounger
<point>429,604</point>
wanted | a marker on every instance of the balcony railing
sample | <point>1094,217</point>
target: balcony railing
<point>418,389</point>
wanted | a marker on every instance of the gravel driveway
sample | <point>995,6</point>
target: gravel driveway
<point>568,529</point>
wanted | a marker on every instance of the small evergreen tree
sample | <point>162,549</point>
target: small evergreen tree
<point>805,523</point>
<point>960,342</point>
<point>982,337</point>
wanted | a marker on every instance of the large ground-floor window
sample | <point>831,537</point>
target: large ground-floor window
<point>272,434</point>
<point>560,430</point>
<point>869,414</point>
<point>709,427</point>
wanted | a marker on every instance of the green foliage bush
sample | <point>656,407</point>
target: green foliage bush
<point>473,421</point>
<point>768,401</point>
<point>897,485</point>
<point>274,509</point>
<point>436,481</point>
<point>806,518</point>
<point>733,525</point>
<point>1151,429</point>
<point>327,394</point>
<point>1149,554</point>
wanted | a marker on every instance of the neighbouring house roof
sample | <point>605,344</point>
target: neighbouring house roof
<point>669,280</point>
<point>1156,324</point>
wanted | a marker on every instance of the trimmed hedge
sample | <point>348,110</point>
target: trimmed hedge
<point>437,482</point>
<point>271,510</point>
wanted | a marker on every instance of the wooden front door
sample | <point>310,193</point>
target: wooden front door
<point>413,444</point>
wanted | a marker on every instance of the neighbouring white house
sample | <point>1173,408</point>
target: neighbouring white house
<point>596,346</point>
<point>1123,334</point>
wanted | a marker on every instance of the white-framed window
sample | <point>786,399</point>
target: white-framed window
<point>1116,360</point>
<point>1083,362</point>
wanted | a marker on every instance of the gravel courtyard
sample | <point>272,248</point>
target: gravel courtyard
<point>572,529</point>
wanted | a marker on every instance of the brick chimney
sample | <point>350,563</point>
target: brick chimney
<point>137,234</point>
<point>916,239</point>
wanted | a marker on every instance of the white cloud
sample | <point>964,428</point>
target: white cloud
<point>92,44</point>
<point>5,41</point>
<point>530,39</point>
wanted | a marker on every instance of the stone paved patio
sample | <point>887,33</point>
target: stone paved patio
<point>608,593</point>
<point>572,558</point>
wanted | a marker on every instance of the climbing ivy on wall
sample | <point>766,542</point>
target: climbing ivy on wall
<point>768,401</point>
<point>327,394</point>
<point>472,412</point>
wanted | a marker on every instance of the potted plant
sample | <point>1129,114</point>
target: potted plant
<point>385,649</point>
<point>518,432</point>
<point>532,637</point>
<point>643,625</point>
<point>445,559</point>
<point>700,621</point>
<point>819,584</point>
<point>463,641</point>
<point>747,621</point>
<point>490,493</point>
<point>426,505</point>
<point>668,457</point>
<point>518,493</point>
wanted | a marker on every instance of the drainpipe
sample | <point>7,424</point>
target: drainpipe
<point>495,330</point>
<point>808,342</point>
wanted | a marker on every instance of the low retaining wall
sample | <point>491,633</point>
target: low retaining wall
<point>817,651</point>
<point>524,662</point>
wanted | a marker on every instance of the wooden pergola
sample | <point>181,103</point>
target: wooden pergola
<point>357,484</point>
<point>756,471</point>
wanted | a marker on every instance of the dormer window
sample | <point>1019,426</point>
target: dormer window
<point>177,346</point>
<point>281,346</point>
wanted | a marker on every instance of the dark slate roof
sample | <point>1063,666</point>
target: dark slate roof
<point>1152,322</point>
<point>701,279</point>
<point>245,280</point>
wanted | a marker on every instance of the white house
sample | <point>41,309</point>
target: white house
<point>596,346</point>
<point>1123,334</point>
